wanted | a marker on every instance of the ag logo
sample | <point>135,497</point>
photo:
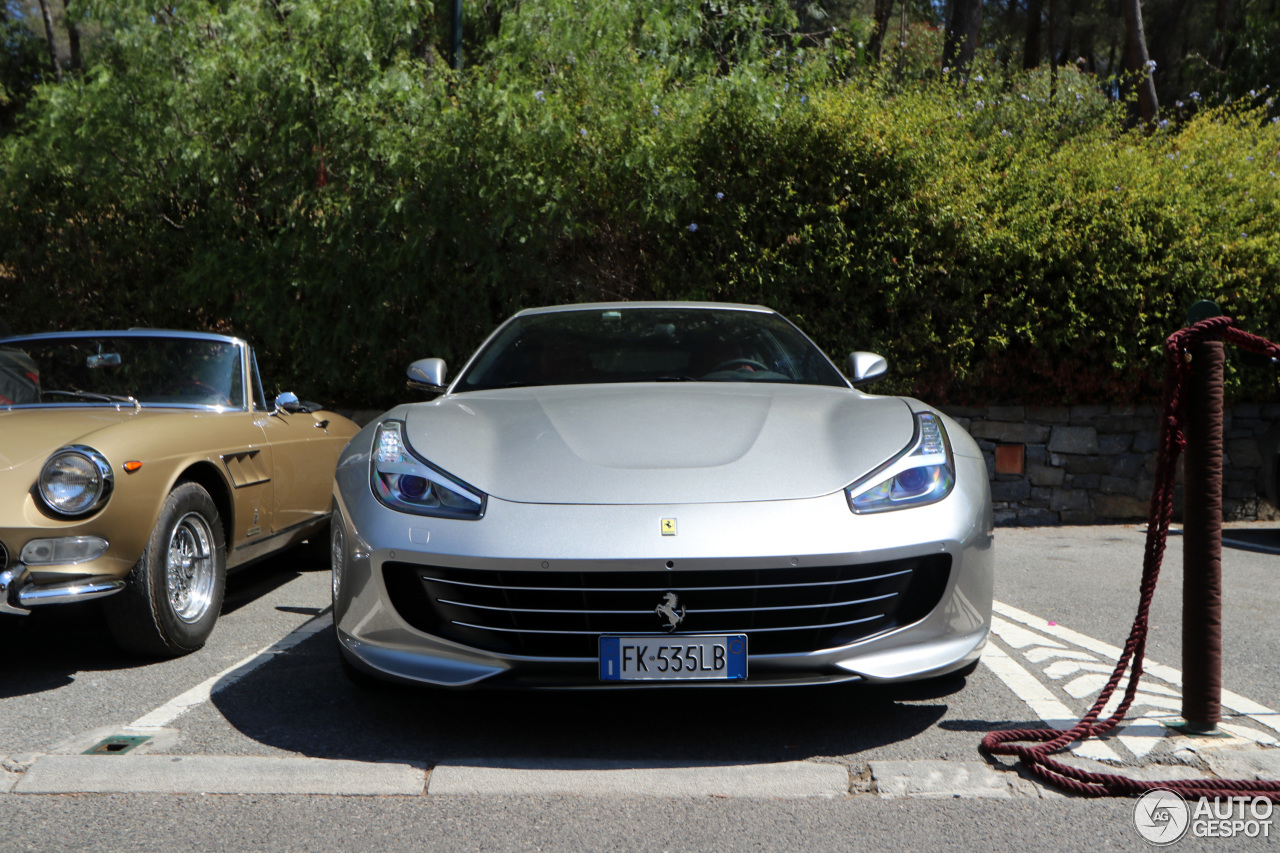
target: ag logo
<point>1161,816</point>
<point>668,527</point>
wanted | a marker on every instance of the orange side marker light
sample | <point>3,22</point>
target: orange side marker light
<point>130,467</point>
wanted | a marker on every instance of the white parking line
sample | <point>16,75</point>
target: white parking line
<point>171,710</point>
<point>1040,700</point>
<point>1038,659</point>
<point>1255,711</point>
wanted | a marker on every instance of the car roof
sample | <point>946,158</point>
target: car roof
<point>128,333</point>
<point>616,306</point>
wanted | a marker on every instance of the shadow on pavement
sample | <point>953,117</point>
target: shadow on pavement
<point>301,703</point>
<point>1265,541</point>
<point>59,641</point>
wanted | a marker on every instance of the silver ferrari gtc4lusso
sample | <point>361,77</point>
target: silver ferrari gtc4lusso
<point>659,494</point>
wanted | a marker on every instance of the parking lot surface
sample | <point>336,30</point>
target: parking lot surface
<point>260,729</point>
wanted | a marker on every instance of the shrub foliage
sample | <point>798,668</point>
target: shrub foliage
<point>311,175</point>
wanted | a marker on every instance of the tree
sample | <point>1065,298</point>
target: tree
<point>1140,61</point>
<point>21,66</point>
<point>73,37</point>
<point>883,11</point>
<point>1031,44</point>
<point>50,38</point>
<point>962,33</point>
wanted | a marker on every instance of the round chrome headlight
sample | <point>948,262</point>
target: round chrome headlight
<point>75,480</point>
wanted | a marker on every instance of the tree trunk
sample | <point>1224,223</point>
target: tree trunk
<point>883,12</point>
<point>1136,53</point>
<point>73,37</point>
<point>1031,47</point>
<point>1064,52</point>
<point>1163,33</point>
<point>49,38</point>
<point>962,34</point>
<point>1217,55</point>
<point>1053,38</point>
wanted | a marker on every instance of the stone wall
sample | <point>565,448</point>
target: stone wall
<point>1096,464</point>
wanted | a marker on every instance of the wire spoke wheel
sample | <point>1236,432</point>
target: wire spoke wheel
<point>190,573</point>
<point>173,596</point>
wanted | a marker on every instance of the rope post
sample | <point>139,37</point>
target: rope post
<point>1202,543</point>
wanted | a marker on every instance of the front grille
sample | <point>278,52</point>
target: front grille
<point>562,614</point>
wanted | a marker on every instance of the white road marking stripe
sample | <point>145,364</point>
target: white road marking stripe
<point>1038,698</point>
<point>175,707</point>
<point>1019,638</point>
<point>1061,669</point>
<point>1255,711</point>
<point>1040,654</point>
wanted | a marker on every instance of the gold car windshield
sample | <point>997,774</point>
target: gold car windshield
<point>648,344</point>
<point>142,370</point>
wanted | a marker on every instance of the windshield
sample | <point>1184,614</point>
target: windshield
<point>648,344</point>
<point>134,369</point>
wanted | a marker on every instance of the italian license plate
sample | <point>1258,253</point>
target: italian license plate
<point>720,657</point>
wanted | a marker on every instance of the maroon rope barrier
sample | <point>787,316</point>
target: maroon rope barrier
<point>1044,742</point>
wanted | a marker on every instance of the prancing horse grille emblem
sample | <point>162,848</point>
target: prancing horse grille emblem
<point>671,610</point>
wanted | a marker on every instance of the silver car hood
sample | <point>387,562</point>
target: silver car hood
<point>659,444</point>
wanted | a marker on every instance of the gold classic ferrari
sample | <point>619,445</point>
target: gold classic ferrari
<point>140,467</point>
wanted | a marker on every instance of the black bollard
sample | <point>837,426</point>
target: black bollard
<point>1202,544</point>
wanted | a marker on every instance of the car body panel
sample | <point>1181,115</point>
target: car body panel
<point>681,484</point>
<point>269,494</point>
<point>685,443</point>
<point>815,531</point>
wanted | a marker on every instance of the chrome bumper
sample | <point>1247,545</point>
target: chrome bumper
<point>17,596</point>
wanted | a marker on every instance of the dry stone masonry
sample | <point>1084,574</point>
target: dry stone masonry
<point>1096,464</point>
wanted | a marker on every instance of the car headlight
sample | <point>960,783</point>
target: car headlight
<point>405,482</point>
<point>922,474</point>
<point>75,480</point>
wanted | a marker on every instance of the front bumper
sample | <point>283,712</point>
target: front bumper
<point>807,535</point>
<point>18,594</point>
<point>25,586</point>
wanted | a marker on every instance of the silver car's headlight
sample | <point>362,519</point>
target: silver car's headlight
<point>75,480</point>
<point>405,482</point>
<point>922,474</point>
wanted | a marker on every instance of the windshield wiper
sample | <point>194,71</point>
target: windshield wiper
<point>677,377</point>
<point>94,395</point>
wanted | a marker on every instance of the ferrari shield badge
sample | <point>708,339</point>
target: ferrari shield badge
<point>668,527</point>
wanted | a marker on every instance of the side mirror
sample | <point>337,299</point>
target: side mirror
<point>863,367</point>
<point>427,374</point>
<point>287,402</point>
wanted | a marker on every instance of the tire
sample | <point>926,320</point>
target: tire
<point>172,597</point>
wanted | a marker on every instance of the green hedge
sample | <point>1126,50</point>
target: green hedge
<point>311,178</point>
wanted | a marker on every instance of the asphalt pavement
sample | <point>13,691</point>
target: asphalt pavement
<point>259,742</point>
